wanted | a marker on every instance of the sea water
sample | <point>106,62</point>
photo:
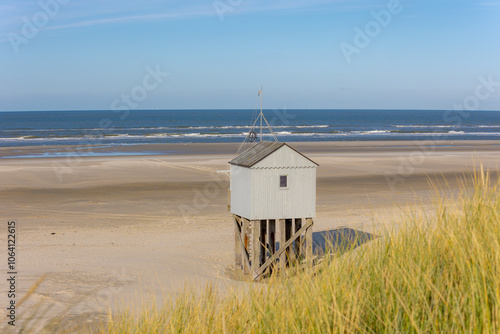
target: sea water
<point>212,126</point>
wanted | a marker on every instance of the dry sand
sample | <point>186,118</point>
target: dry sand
<point>113,230</point>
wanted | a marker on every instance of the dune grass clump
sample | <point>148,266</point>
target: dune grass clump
<point>436,273</point>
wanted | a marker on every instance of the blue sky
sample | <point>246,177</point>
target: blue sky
<point>93,54</point>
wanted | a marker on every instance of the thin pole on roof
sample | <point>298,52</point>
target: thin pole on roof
<point>261,114</point>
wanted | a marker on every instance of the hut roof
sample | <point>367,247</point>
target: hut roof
<point>258,152</point>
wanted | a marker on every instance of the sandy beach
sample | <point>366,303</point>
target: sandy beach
<point>108,230</point>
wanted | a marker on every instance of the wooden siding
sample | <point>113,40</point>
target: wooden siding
<point>270,201</point>
<point>256,191</point>
<point>240,191</point>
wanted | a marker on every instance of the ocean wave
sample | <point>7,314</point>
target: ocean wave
<point>425,126</point>
<point>371,132</point>
<point>284,134</point>
<point>312,126</point>
<point>37,138</point>
<point>174,127</point>
<point>99,131</point>
<point>249,127</point>
<point>496,134</point>
<point>446,126</point>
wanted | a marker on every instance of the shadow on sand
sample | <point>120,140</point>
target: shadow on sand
<point>339,240</point>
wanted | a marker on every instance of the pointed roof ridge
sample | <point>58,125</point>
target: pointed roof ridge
<point>258,152</point>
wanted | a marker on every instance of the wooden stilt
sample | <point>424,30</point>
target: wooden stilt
<point>263,249</point>
<point>292,247</point>
<point>237,245</point>
<point>282,241</point>
<point>281,251</point>
<point>245,224</point>
<point>268,240</point>
<point>288,235</point>
<point>298,242</point>
<point>256,245</point>
<point>258,254</point>
<point>309,242</point>
<point>245,256</point>
<point>272,237</point>
<point>272,240</point>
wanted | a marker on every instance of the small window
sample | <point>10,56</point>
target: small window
<point>283,181</point>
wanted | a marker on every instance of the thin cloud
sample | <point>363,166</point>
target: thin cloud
<point>129,19</point>
<point>207,11</point>
<point>73,20</point>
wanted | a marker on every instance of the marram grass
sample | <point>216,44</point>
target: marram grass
<point>438,273</point>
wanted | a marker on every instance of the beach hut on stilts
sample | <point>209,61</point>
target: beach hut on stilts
<point>273,203</point>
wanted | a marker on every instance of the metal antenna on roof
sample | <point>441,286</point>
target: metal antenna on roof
<point>252,136</point>
<point>261,114</point>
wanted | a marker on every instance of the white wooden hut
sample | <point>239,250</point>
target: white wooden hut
<point>273,202</point>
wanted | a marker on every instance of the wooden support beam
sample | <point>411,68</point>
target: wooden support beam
<point>263,236</point>
<point>309,242</point>
<point>282,241</point>
<point>292,248</point>
<point>298,242</point>
<point>245,255</point>
<point>260,270</point>
<point>272,237</point>
<point>288,235</point>
<point>256,245</point>
<point>268,240</point>
<point>237,245</point>
<point>245,224</point>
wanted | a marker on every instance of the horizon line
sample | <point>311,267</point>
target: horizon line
<point>239,109</point>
